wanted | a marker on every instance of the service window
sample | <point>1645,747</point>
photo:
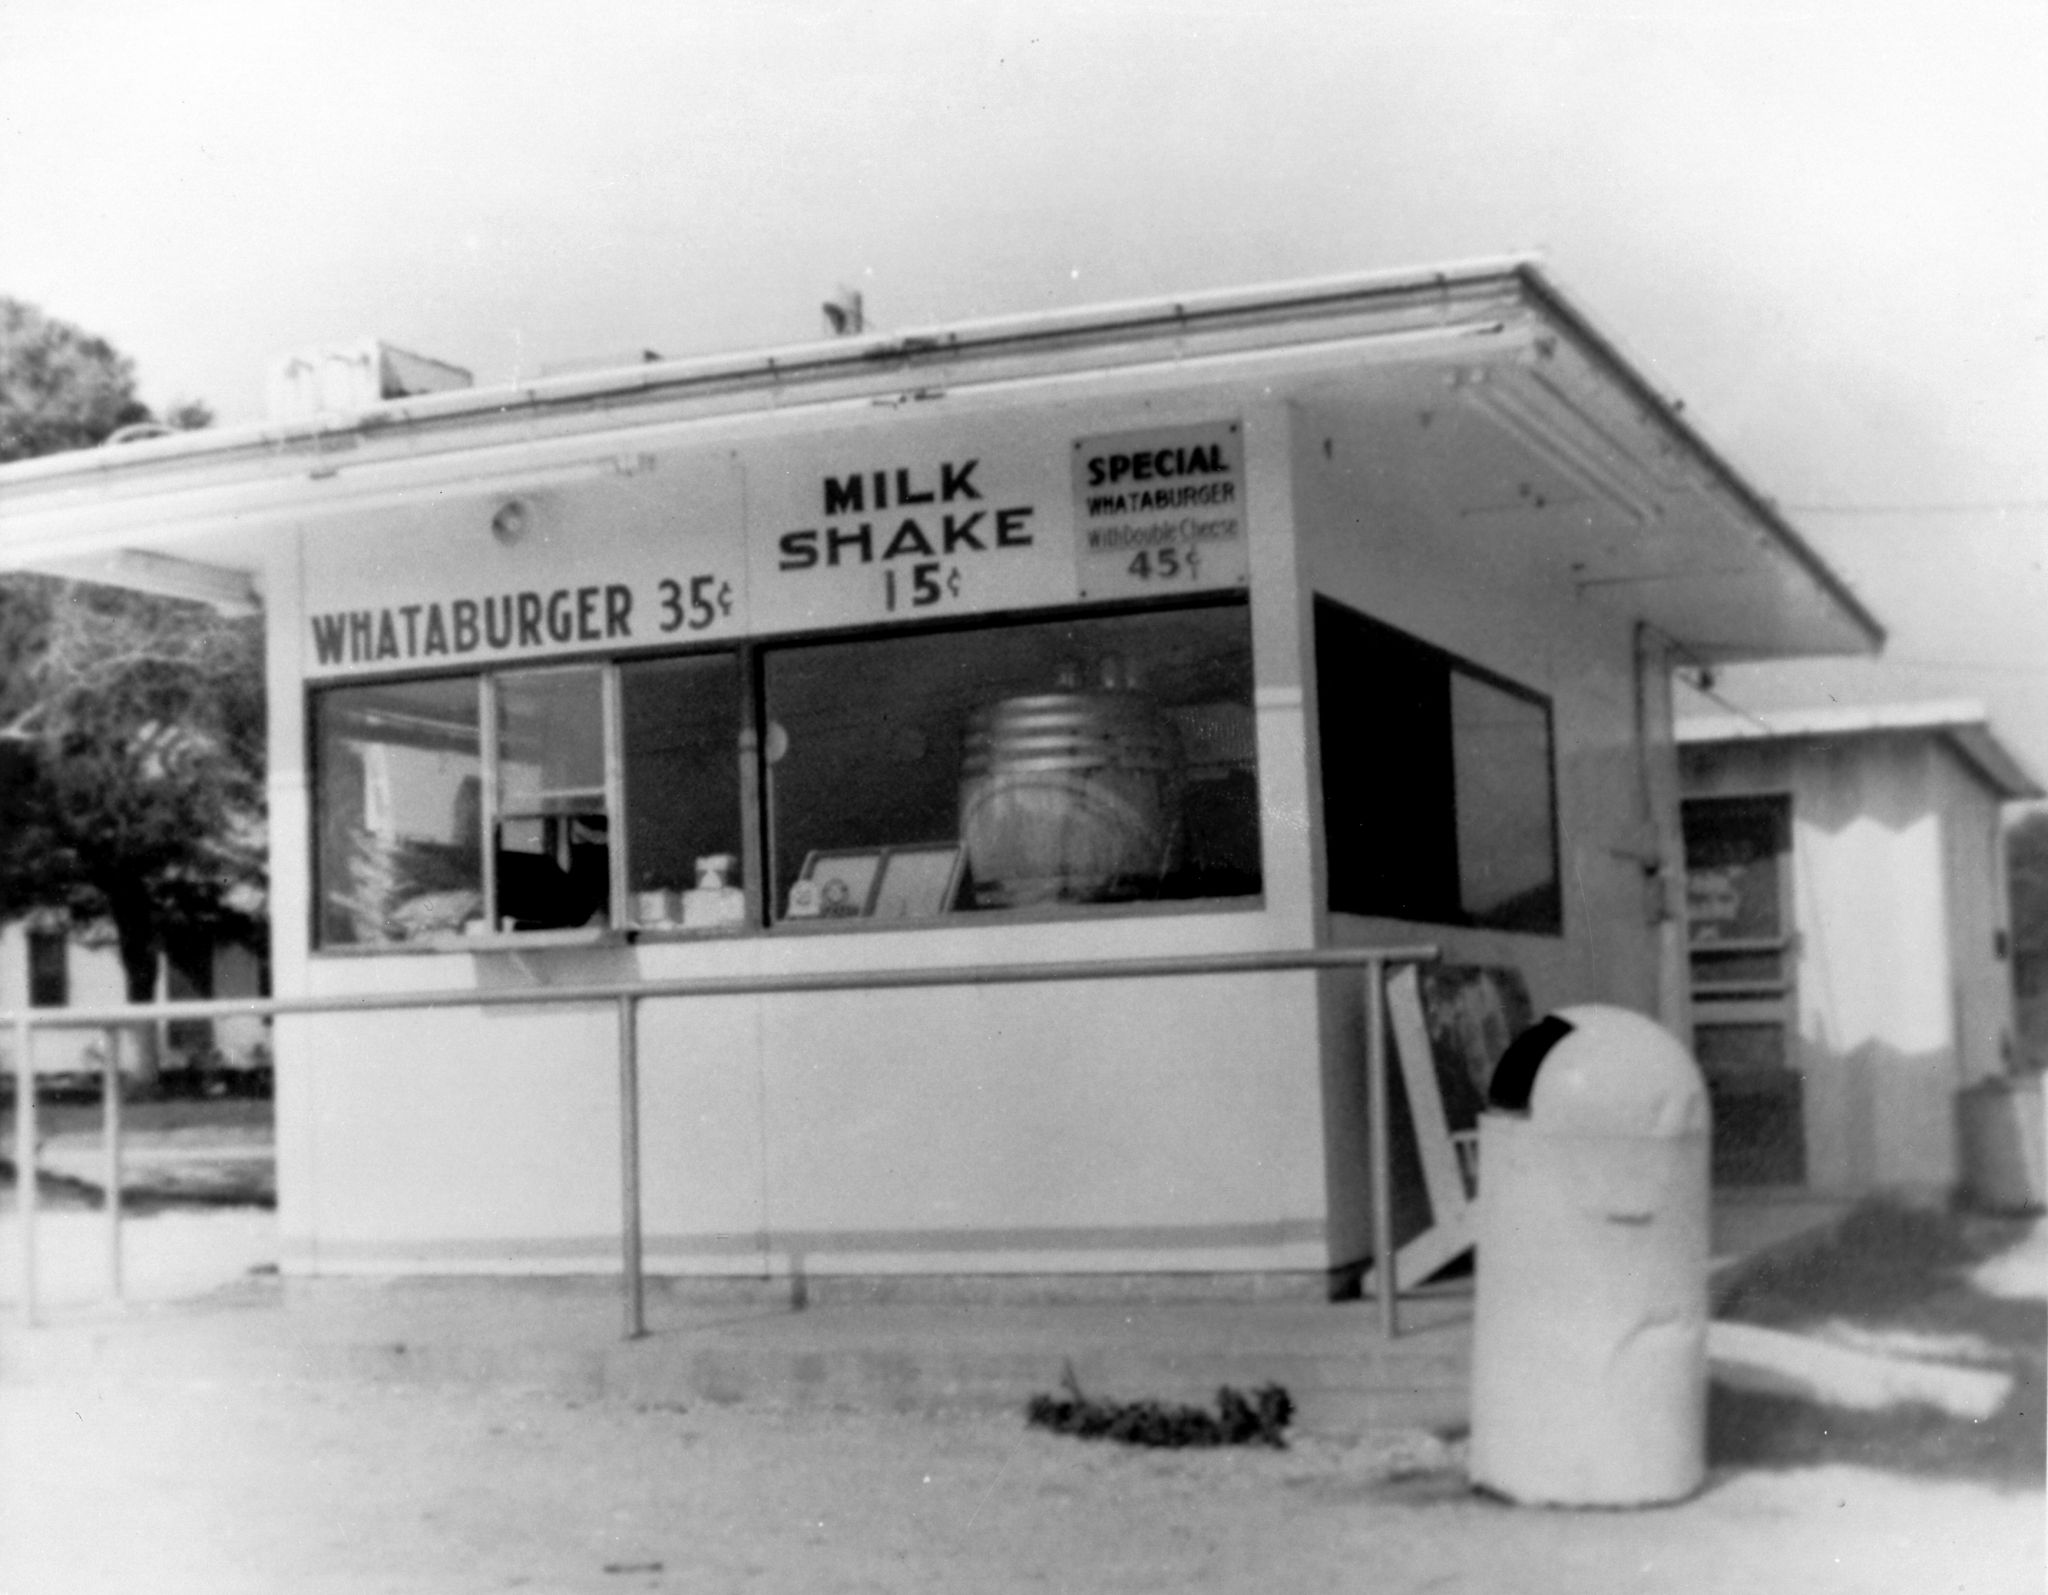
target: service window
<point>1439,800</point>
<point>1056,763</point>
<point>550,804</point>
<point>1083,760</point>
<point>684,794</point>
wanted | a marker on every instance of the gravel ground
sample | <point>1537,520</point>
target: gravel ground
<point>217,1489</point>
<point>220,1482</point>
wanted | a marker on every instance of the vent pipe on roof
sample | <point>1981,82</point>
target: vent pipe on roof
<point>844,313</point>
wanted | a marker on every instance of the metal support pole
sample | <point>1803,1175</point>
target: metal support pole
<point>629,1169</point>
<point>110,1120</point>
<point>25,1164</point>
<point>1386,1288</point>
<point>625,999</point>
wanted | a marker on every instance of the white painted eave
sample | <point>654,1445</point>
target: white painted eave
<point>1740,584</point>
<point>1962,723</point>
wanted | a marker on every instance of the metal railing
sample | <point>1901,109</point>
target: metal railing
<point>625,998</point>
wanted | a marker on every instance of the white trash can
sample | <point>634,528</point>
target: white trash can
<point>1589,1346</point>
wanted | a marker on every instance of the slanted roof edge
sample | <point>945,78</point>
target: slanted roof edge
<point>1962,723</point>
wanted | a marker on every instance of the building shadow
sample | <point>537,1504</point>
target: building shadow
<point>1901,1276</point>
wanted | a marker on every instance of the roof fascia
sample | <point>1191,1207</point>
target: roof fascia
<point>1624,373</point>
<point>888,362</point>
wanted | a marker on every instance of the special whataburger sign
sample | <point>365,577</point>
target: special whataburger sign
<point>1157,509</point>
<point>868,527</point>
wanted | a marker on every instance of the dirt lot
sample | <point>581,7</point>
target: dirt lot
<point>225,1490</point>
<point>226,1483</point>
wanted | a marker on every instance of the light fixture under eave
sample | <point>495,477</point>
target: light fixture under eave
<point>227,590</point>
<point>512,521</point>
<point>1523,419</point>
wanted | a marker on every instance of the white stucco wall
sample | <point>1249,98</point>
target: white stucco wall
<point>1898,895</point>
<point>1366,547</point>
<point>1980,913</point>
<point>1141,1126</point>
<point>1380,555</point>
<point>1207,1125</point>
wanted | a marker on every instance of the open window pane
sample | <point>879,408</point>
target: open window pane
<point>1091,759</point>
<point>553,853</point>
<point>400,810</point>
<point>551,742</point>
<point>683,842</point>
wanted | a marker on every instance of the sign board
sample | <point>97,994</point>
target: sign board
<point>1160,511</point>
<point>652,555</point>
<point>864,527</point>
<point>877,527</point>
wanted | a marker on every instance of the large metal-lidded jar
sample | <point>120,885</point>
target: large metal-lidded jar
<point>1069,797</point>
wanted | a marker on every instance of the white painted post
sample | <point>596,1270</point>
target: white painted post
<point>110,1120</point>
<point>25,1164</point>
<point>629,1170</point>
<point>1383,1270</point>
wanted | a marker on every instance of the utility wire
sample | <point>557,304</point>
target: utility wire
<point>1989,506</point>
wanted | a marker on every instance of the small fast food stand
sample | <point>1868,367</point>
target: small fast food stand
<point>1330,615</point>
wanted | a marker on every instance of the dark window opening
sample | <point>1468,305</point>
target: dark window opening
<point>49,969</point>
<point>1083,760</point>
<point>684,793</point>
<point>1439,801</point>
<point>551,825</point>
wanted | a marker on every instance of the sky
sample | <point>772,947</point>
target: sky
<point>1823,227</point>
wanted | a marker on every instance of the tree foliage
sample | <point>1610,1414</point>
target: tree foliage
<point>144,808</point>
<point>60,388</point>
<point>136,722</point>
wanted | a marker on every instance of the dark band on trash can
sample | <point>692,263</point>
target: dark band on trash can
<point>1514,1077</point>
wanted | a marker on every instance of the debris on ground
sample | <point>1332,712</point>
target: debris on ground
<point>1260,1418</point>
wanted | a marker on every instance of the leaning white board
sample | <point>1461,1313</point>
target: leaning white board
<point>1451,1190</point>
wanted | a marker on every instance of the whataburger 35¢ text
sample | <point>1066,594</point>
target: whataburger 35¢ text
<point>594,613</point>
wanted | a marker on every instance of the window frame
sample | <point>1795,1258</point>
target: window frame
<point>1447,666</point>
<point>756,792</point>
<point>490,703</point>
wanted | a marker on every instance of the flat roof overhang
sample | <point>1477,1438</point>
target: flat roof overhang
<point>1476,398</point>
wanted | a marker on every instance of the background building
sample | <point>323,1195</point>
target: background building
<point>1850,940</point>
